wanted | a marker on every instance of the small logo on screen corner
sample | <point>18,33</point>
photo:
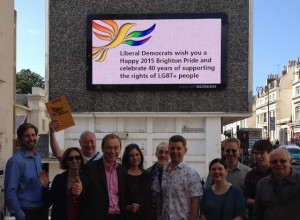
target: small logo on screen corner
<point>116,36</point>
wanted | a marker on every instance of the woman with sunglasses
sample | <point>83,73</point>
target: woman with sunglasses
<point>139,184</point>
<point>60,193</point>
<point>221,201</point>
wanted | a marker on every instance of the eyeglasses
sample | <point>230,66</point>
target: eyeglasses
<point>282,161</point>
<point>72,158</point>
<point>231,150</point>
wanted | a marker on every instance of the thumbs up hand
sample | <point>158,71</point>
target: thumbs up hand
<point>77,187</point>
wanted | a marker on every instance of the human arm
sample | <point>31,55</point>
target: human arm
<point>248,190</point>
<point>158,205</point>
<point>239,204</point>
<point>194,192</point>
<point>57,152</point>
<point>194,207</point>
<point>13,173</point>
<point>202,217</point>
<point>258,211</point>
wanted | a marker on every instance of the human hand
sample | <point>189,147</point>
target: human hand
<point>44,179</point>
<point>134,207</point>
<point>54,125</point>
<point>77,187</point>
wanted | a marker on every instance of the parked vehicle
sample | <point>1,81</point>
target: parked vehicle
<point>294,152</point>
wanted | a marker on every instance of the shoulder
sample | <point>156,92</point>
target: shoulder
<point>146,174</point>
<point>190,170</point>
<point>235,189</point>
<point>17,158</point>
<point>60,176</point>
<point>150,169</point>
<point>92,165</point>
<point>264,181</point>
<point>98,155</point>
<point>243,167</point>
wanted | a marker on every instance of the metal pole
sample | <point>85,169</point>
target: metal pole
<point>268,115</point>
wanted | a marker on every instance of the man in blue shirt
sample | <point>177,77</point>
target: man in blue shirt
<point>23,192</point>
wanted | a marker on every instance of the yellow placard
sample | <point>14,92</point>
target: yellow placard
<point>59,110</point>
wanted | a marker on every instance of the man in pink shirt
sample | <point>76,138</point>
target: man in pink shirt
<point>102,185</point>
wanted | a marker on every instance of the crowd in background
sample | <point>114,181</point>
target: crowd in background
<point>94,185</point>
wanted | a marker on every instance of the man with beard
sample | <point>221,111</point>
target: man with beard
<point>23,191</point>
<point>162,154</point>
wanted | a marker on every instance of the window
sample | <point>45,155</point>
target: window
<point>257,119</point>
<point>265,117</point>
<point>297,90</point>
<point>297,108</point>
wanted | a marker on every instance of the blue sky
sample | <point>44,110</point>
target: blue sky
<point>275,36</point>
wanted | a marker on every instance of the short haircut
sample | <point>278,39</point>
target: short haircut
<point>263,145</point>
<point>160,144</point>
<point>126,155</point>
<point>284,151</point>
<point>108,137</point>
<point>217,160</point>
<point>85,133</point>
<point>232,140</point>
<point>178,138</point>
<point>24,127</point>
<point>64,160</point>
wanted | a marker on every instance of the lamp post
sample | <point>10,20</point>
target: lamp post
<point>265,89</point>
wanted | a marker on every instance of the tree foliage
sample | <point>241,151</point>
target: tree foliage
<point>26,79</point>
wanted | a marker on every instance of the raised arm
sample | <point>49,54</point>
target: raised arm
<point>57,152</point>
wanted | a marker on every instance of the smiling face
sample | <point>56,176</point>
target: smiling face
<point>232,153</point>
<point>177,151</point>
<point>29,139</point>
<point>111,149</point>
<point>218,172</point>
<point>162,154</point>
<point>280,163</point>
<point>88,144</point>
<point>74,160</point>
<point>134,158</point>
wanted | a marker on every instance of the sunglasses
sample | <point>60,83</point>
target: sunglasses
<point>231,150</point>
<point>281,161</point>
<point>72,158</point>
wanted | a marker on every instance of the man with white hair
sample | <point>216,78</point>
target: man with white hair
<point>278,195</point>
<point>87,144</point>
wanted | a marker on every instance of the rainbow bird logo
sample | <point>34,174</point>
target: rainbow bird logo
<point>117,36</point>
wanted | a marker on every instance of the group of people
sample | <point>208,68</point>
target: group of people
<point>95,186</point>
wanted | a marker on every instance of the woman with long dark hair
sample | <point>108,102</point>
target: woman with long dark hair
<point>139,183</point>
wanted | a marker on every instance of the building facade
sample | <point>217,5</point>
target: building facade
<point>277,106</point>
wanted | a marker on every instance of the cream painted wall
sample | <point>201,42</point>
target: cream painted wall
<point>7,84</point>
<point>148,130</point>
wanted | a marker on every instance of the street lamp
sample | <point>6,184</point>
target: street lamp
<point>265,89</point>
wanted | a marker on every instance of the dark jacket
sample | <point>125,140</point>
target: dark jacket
<point>94,198</point>
<point>57,197</point>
